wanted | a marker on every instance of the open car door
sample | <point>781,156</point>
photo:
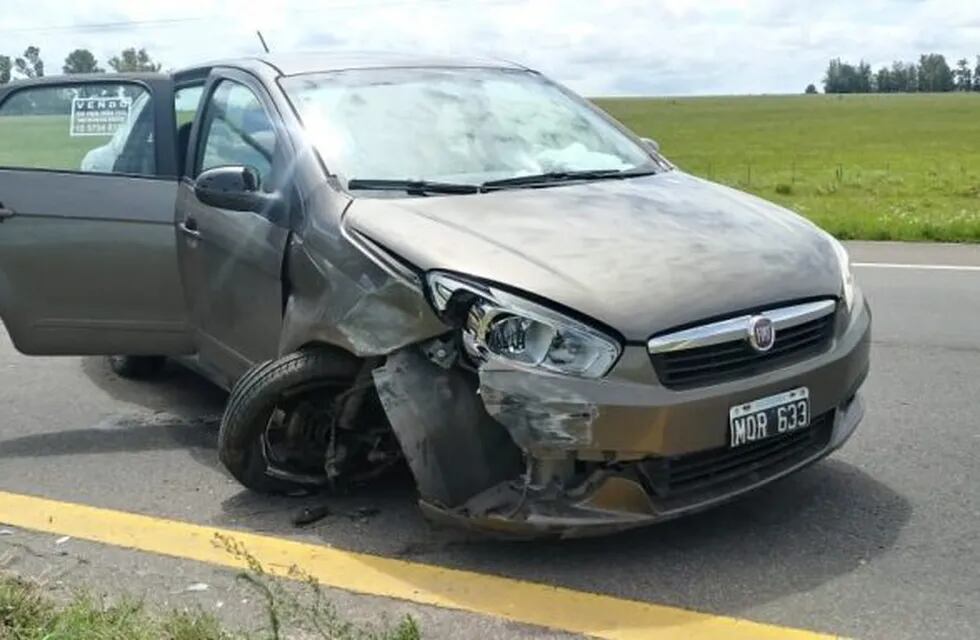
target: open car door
<point>88,182</point>
<point>232,260</point>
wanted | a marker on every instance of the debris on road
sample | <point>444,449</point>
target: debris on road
<point>309,515</point>
<point>363,514</point>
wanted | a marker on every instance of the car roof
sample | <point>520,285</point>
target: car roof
<point>289,64</point>
<point>146,76</point>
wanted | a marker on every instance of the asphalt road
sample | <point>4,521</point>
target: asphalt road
<point>882,540</point>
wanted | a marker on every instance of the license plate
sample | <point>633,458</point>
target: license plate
<point>769,417</point>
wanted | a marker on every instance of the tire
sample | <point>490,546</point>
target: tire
<point>252,400</point>
<point>137,367</point>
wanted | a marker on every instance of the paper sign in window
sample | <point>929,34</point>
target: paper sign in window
<point>99,116</point>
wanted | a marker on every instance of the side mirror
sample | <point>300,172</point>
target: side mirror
<point>651,144</point>
<point>234,187</point>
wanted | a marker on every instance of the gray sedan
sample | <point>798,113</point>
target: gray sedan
<point>456,266</point>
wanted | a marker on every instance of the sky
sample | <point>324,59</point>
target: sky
<point>596,47</point>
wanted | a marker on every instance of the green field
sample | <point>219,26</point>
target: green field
<point>43,141</point>
<point>882,167</point>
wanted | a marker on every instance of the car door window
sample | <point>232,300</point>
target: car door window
<point>186,100</point>
<point>237,131</point>
<point>92,128</point>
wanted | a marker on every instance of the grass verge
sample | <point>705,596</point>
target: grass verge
<point>27,614</point>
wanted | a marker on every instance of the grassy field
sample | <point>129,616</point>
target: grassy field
<point>43,141</point>
<point>880,167</point>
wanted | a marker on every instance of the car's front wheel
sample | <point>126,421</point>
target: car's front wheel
<point>272,431</point>
<point>137,367</point>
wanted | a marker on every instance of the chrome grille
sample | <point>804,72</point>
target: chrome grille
<point>720,351</point>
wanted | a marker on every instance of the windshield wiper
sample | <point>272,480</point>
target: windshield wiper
<point>413,187</point>
<point>554,177</point>
<point>424,187</point>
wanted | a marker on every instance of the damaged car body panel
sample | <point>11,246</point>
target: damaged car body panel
<point>464,267</point>
<point>699,245</point>
<point>341,296</point>
<point>623,451</point>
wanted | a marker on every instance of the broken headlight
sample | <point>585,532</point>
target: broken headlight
<point>501,325</point>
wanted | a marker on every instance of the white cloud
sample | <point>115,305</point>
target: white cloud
<point>594,46</point>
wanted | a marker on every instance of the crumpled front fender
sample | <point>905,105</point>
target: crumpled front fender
<point>453,447</point>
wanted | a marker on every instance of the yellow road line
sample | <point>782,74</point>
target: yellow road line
<point>527,602</point>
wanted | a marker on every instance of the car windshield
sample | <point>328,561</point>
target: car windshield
<point>468,126</point>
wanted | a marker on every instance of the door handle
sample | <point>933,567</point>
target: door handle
<point>6,213</point>
<point>189,227</point>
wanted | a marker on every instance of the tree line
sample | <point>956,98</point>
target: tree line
<point>930,74</point>
<point>30,64</point>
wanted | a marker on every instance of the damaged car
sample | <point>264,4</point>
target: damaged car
<point>455,265</point>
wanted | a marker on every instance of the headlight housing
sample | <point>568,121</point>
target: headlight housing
<point>844,262</point>
<point>501,325</point>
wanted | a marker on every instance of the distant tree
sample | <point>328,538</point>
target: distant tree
<point>832,77</point>
<point>934,73</point>
<point>31,65</point>
<point>882,81</point>
<point>81,61</point>
<point>838,78</point>
<point>842,77</point>
<point>976,76</point>
<point>904,77</point>
<point>811,88</point>
<point>911,78</point>
<point>132,60</point>
<point>863,78</point>
<point>963,75</point>
<point>5,69</point>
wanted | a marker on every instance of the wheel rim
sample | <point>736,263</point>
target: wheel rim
<point>280,448</point>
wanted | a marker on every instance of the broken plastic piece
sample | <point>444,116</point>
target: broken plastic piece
<point>453,447</point>
<point>541,411</point>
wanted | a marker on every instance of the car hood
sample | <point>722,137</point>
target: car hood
<point>641,255</point>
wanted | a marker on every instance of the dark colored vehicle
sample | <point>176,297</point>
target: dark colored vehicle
<point>456,264</point>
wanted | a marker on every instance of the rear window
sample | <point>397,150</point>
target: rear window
<point>92,128</point>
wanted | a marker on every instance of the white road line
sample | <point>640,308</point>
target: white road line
<point>924,267</point>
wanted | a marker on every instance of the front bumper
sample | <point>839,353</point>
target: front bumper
<point>602,443</point>
<point>616,500</point>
